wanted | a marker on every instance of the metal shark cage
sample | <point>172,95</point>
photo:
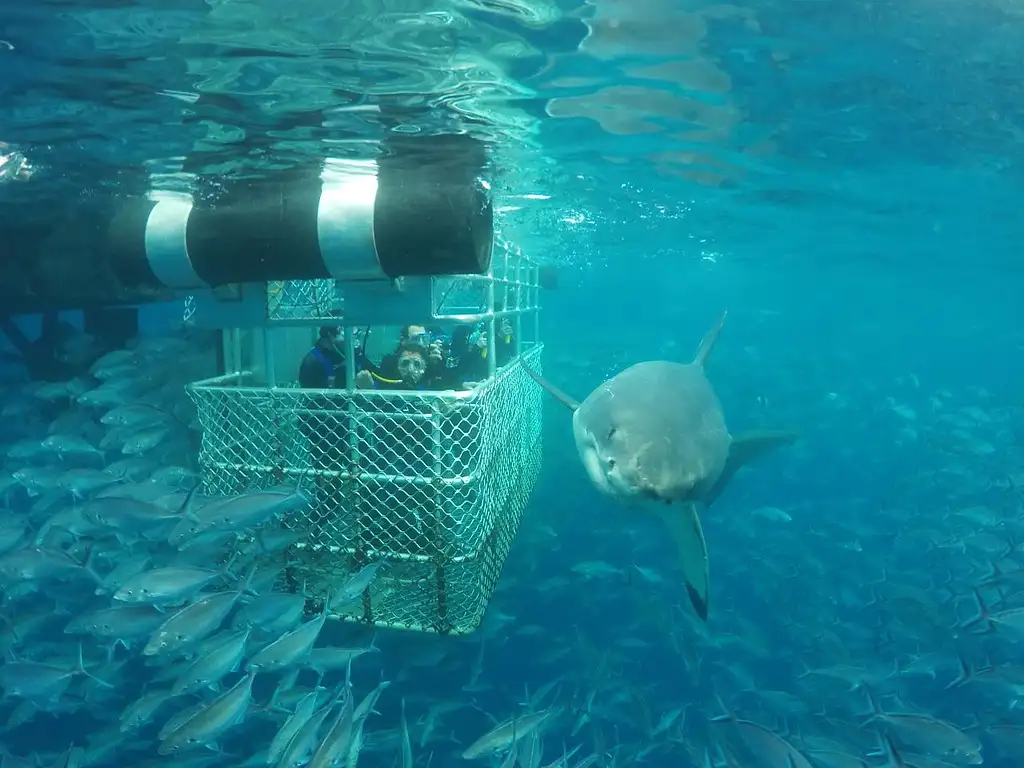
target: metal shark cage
<point>432,485</point>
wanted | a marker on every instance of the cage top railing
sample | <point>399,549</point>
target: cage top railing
<point>381,478</point>
<point>234,381</point>
<point>228,382</point>
<point>513,279</point>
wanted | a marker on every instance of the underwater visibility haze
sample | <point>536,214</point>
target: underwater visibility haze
<point>804,549</point>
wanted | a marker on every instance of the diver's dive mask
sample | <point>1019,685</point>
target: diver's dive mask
<point>421,339</point>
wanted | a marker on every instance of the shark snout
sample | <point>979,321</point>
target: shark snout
<point>657,477</point>
<point>628,470</point>
<point>619,478</point>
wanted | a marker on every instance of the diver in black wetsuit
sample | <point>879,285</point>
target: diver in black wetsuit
<point>323,367</point>
<point>417,364</point>
<point>469,349</point>
<point>324,423</point>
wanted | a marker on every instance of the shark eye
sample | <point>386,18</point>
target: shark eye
<point>610,464</point>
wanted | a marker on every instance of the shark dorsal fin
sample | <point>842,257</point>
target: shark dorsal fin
<point>567,401</point>
<point>708,342</point>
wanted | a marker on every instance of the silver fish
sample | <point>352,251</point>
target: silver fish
<point>166,586</point>
<point>194,622</point>
<point>335,745</point>
<point>144,440</point>
<point>298,750</point>
<point>212,665</point>
<point>134,415</point>
<point>506,735</point>
<point>354,586</point>
<point>235,513</point>
<point>290,648</point>
<point>272,612</point>
<point>209,723</point>
<point>41,563</point>
<point>291,727</point>
<point>124,623</point>
<point>141,711</point>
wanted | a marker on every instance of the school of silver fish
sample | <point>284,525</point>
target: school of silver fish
<point>886,635</point>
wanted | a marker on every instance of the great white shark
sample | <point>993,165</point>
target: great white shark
<point>654,436</point>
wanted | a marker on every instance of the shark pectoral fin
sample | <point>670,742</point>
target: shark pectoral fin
<point>753,445</point>
<point>569,402</point>
<point>745,448</point>
<point>684,525</point>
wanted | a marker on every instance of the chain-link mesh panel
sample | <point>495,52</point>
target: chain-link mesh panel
<point>291,300</point>
<point>512,286</point>
<point>432,485</point>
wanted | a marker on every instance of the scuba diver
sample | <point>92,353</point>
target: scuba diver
<point>401,442</point>
<point>470,364</point>
<point>323,367</point>
<point>417,364</point>
<point>322,419</point>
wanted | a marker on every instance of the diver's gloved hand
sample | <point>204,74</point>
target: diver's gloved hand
<point>481,340</point>
<point>364,380</point>
<point>506,327</point>
<point>434,351</point>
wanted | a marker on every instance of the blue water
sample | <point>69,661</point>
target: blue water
<point>844,178</point>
